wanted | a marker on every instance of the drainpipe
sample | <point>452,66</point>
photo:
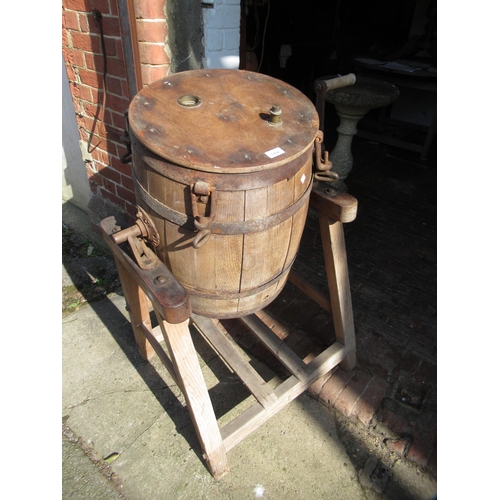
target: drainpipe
<point>135,44</point>
<point>126,12</point>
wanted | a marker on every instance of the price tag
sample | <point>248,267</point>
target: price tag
<point>274,152</point>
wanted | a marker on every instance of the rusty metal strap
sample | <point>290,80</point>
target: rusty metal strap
<point>243,227</point>
<point>229,295</point>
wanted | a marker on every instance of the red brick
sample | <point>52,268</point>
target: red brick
<point>77,105</point>
<point>97,141</point>
<point>84,135</point>
<point>83,19</point>
<point>315,388</point>
<point>100,145</point>
<point>370,400</point>
<point>125,194</point>
<point>349,396</point>
<point>334,386</point>
<point>66,42</point>
<point>91,109</point>
<point>116,67</point>
<point>71,73</point>
<point>112,198</point>
<point>80,5</point>
<point>113,135</point>
<point>110,46</point>
<point>113,7</point>
<point>91,124</point>
<point>398,446</point>
<point>392,421</point>
<point>74,57</point>
<point>94,62</point>
<point>151,31</point>
<point>90,78</point>
<point>104,136</point>
<point>131,209</point>
<point>108,121</point>
<point>153,9</point>
<point>124,168</point>
<point>114,85</point>
<point>109,186</point>
<point>128,183</point>
<point>153,73</point>
<point>70,20</point>
<point>150,53</point>
<point>110,174</point>
<point>111,26</point>
<point>119,121</point>
<point>86,41</point>
<point>119,50</point>
<point>422,446</point>
<point>117,104</point>
<point>102,6</point>
<point>266,318</point>
<point>104,158</point>
<point>81,92</point>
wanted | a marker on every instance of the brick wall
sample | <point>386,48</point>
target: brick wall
<point>100,133</point>
<point>110,180</point>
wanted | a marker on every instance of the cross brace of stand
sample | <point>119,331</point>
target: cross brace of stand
<point>153,286</point>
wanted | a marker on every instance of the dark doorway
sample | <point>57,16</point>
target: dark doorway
<point>298,43</point>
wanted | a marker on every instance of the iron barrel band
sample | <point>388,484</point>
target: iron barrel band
<point>229,295</point>
<point>144,159</point>
<point>229,228</point>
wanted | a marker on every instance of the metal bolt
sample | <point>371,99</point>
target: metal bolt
<point>160,280</point>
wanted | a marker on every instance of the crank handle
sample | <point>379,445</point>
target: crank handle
<point>322,86</point>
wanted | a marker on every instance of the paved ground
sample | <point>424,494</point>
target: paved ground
<point>379,420</point>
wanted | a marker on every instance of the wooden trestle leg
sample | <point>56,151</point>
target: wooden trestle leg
<point>334,208</point>
<point>171,306</point>
<point>191,382</point>
<point>332,236</point>
<point>138,309</point>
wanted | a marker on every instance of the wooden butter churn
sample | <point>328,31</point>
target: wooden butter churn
<point>222,164</point>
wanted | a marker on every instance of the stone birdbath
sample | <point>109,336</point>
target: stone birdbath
<point>352,103</point>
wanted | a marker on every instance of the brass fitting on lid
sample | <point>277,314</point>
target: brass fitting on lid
<point>275,115</point>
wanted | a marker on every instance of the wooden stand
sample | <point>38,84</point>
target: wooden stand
<point>156,287</point>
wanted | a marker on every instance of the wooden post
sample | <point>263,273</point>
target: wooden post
<point>332,236</point>
<point>138,308</point>
<point>334,208</point>
<point>191,382</point>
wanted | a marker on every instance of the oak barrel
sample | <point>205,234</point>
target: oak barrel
<point>222,162</point>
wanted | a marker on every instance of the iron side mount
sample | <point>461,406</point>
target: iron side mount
<point>137,236</point>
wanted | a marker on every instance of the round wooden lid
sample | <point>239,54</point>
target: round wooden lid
<point>220,120</point>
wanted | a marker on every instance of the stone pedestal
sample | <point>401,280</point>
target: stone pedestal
<point>352,103</point>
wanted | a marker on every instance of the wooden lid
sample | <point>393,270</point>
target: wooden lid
<point>218,120</point>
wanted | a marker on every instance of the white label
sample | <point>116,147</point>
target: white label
<point>274,152</point>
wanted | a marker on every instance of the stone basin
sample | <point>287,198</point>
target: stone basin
<point>364,95</point>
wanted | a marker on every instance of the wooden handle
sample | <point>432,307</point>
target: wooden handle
<point>335,83</point>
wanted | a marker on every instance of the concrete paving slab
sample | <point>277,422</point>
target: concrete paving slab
<point>81,477</point>
<point>131,414</point>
